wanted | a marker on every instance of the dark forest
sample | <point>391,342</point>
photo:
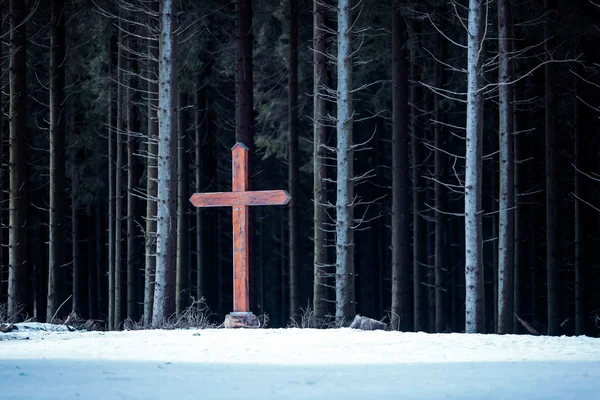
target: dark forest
<point>441,156</point>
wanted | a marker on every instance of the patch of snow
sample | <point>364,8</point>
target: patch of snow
<point>297,363</point>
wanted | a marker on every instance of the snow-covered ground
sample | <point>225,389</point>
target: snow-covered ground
<point>295,364</point>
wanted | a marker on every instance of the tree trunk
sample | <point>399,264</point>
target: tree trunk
<point>520,249</point>
<point>474,305</point>
<point>76,300</point>
<point>17,206</point>
<point>57,154</point>
<point>439,195</point>
<point>293,166</point>
<point>164,285</point>
<point>320,167</point>
<point>75,239</point>
<point>551,176</point>
<point>201,114</point>
<point>151,170</point>
<point>344,273</point>
<point>400,174</point>
<point>205,176</point>
<point>112,124</point>
<point>3,156</point>
<point>577,211</point>
<point>99,248</point>
<point>419,226</point>
<point>506,215</point>
<point>134,173</point>
<point>182,285</point>
<point>244,100</point>
<point>120,135</point>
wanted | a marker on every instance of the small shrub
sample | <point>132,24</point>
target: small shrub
<point>197,315</point>
<point>307,320</point>
<point>17,316</point>
<point>3,314</point>
<point>264,320</point>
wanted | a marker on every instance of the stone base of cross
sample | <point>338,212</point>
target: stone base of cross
<point>240,199</point>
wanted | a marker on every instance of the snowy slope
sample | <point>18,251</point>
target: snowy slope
<point>296,364</point>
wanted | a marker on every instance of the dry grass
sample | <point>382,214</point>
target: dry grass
<point>197,316</point>
<point>17,316</point>
<point>307,320</point>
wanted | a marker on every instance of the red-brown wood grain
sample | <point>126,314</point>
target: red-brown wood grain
<point>231,199</point>
<point>240,199</point>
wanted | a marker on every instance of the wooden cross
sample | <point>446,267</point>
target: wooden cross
<point>240,198</point>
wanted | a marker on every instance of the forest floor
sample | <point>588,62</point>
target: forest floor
<point>294,364</point>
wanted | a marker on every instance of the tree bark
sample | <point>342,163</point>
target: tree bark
<point>164,285</point>
<point>474,304</point>
<point>439,195</point>
<point>151,169</point>
<point>519,251</point>
<point>344,274</point>
<point>120,135</point>
<point>506,215</point>
<point>57,153</point>
<point>293,166</point>
<point>419,226</point>
<point>320,167</point>
<point>3,156</point>
<point>75,222</point>
<point>244,100</point>
<point>76,253</point>
<point>182,284</point>
<point>205,175</point>
<point>134,173</point>
<point>200,115</point>
<point>400,174</point>
<point>551,176</point>
<point>112,124</point>
<point>577,207</point>
<point>17,206</point>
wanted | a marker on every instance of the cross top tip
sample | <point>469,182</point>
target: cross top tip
<point>240,145</point>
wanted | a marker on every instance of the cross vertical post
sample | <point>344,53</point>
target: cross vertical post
<point>241,255</point>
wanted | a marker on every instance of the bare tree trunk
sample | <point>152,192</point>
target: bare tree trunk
<point>519,214</point>
<point>506,215</point>
<point>17,206</point>
<point>57,153</point>
<point>134,173</point>
<point>75,236</point>
<point>400,174</point>
<point>419,226</point>
<point>551,176</point>
<point>293,158</point>
<point>112,123</point>
<point>577,211</point>
<point>120,134</point>
<point>151,171</point>
<point>201,116</point>
<point>182,285</point>
<point>205,174</point>
<point>3,158</point>
<point>244,133</point>
<point>164,285</point>
<point>320,167</point>
<point>76,254</point>
<point>344,274</point>
<point>474,304</point>
<point>99,247</point>
<point>439,195</point>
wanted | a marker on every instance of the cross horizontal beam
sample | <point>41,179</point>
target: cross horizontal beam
<point>224,199</point>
